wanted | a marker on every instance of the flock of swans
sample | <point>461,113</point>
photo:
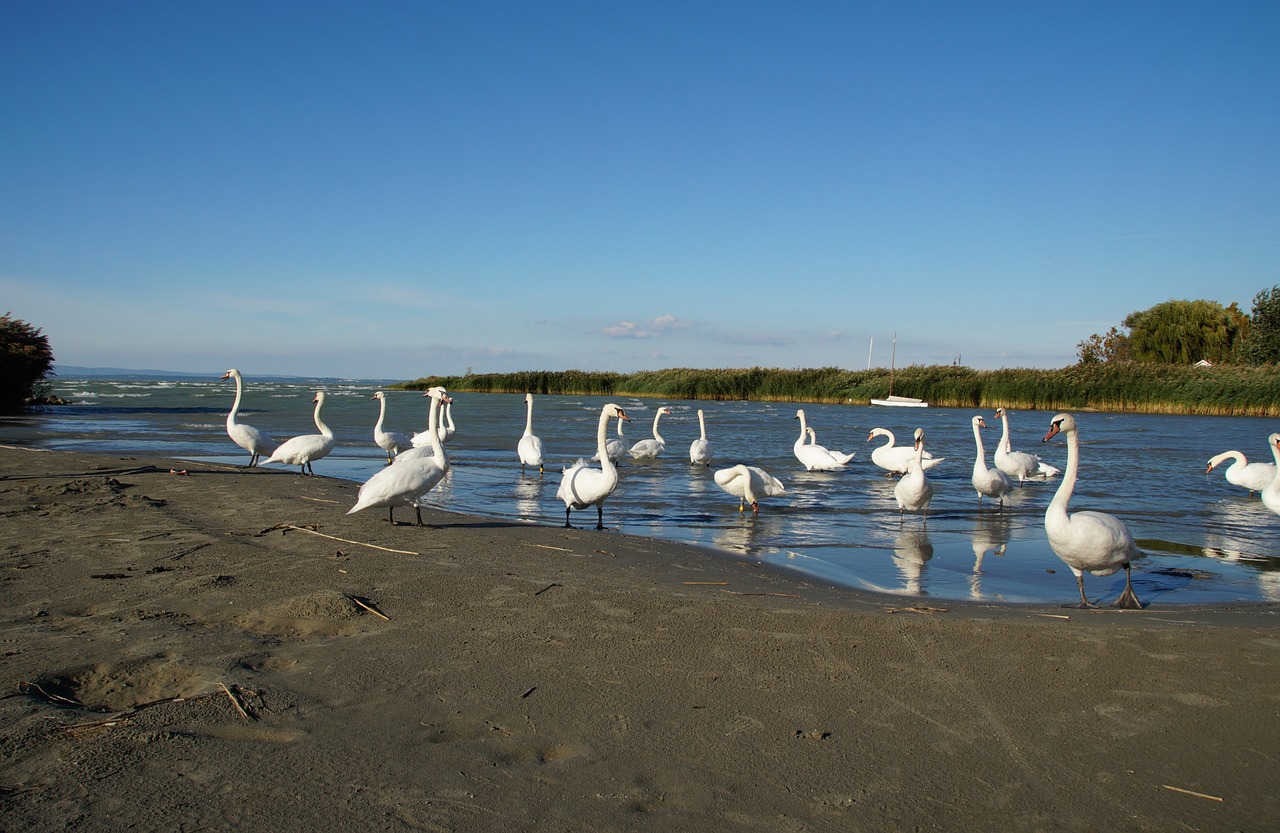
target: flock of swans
<point>1087,541</point>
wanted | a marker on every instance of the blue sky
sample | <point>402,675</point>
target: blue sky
<point>388,190</point>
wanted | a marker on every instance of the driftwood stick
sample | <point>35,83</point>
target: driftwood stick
<point>370,608</point>
<point>1192,793</point>
<point>344,540</point>
<point>235,701</point>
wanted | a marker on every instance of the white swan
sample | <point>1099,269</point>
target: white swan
<point>815,457</point>
<point>700,451</point>
<point>583,486</point>
<point>992,483</point>
<point>392,442</point>
<point>895,459</point>
<point>617,448</point>
<point>303,450</point>
<point>1018,464</point>
<point>246,436</point>
<point>1252,476</point>
<point>530,446</point>
<point>1087,541</point>
<point>649,449</point>
<point>748,484</point>
<point>422,439</point>
<point>914,491</point>
<point>409,477</point>
<point>1271,494</point>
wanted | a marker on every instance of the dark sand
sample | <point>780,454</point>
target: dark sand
<point>532,678</point>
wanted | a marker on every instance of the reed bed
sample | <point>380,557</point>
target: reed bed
<point>1228,390</point>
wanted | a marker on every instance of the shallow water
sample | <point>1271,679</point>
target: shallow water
<point>1207,541</point>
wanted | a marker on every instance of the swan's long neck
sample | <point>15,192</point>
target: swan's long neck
<point>885,432</point>
<point>981,463</point>
<point>702,425</point>
<point>1062,497</point>
<point>804,425</point>
<point>747,493</point>
<point>235,406</point>
<point>656,435</point>
<point>382,413</point>
<point>324,429</point>
<point>433,433</point>
<point>1004,433</point>
<point>528,417</point>
<point>619,426</point>
<point>602,441</point>
<point>448,416</point>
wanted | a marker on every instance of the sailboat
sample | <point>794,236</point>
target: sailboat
<point>898,401</point>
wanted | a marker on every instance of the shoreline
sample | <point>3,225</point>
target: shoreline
<point>485,674</point>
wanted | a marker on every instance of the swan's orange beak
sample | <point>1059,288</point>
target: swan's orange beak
<point>622,415</point>
<point>1053,432</point>
<point>225,377</point>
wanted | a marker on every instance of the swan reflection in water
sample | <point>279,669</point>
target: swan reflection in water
<point>528,491</point>
<point>990,535</point>
<point>910,554</point>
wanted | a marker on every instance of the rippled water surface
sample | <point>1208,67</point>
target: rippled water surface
<point>1207,541</point>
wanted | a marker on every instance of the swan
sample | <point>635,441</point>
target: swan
<point>583,486</point>
<point>1018,464</point>
<point>423,440</point>
<point>992,483</point>
<point>1087,541</point>
<point>530,446</point>
<point>246,436</point>
<point>1271,494</point>
<point>895,459</point>
<point>1252,476</point>
<point>914,491</point>
<point>815,457</point>
<point>392,442</point>
<point>748,484</point>
<point>617,449</point>
<point>303,450</point>
<point>409,477</point>
<point>649,449</point>
<point>700,452</point>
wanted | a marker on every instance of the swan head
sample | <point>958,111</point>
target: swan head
<point>319,398</point>
<point>528,397</point>
<point>919,438</point>
<point>378,395</point>
<point>979,422</point>
<point>439,393</point>
<point>1000,412</point>
<point>614,411</point>
<point>800,413</point>
<point>666,411</point>
<point>1274,441</point>
<point>230,374</point>
<point>1062,423</point>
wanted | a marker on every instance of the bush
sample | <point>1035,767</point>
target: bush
<point>25,361</point>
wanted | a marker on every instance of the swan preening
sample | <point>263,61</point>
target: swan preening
<point>303,450</point>
<point>815,457</point>
<point>392,442</point>
<point>410,476</point>
<point>914,491</point>
<point>895,459</point>
<point>583,486</point>
<point>991,483</point>
<point>1252,476</point>
<point>1092,542</point>
<point>246,436</point>
<point>700,452</point>
<point>649,449</point>
<point>748,484</point>
<point>530,446</point>
<point>1018,464</point>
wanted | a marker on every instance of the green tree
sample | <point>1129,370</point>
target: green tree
<point>1263,344</point>
<point>1110,347</point>
<point>1184,332</point>
<point>25,361</point>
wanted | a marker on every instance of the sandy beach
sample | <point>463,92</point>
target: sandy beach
<point>194,647</point>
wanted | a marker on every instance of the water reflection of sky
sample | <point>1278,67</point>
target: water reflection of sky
<point>1208,541</point>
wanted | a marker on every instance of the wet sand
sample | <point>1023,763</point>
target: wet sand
<point>226,649</point>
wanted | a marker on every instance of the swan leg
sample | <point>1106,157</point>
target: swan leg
<point>418,509</point>
<point>391,516</point>
<point>1084,600</point>
<point>566,518</point>
<point>600,515</point>
<point>1127,599</point>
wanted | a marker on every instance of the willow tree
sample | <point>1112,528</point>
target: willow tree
<point>25,361</point>
<point>1263,344</point>
<point>1184,332</point>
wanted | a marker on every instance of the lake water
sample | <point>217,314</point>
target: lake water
<point>1207,541</point>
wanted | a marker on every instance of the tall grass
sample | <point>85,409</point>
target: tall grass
<point>1229,390</point>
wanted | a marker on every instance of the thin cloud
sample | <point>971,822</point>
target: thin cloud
<point>629,329</point>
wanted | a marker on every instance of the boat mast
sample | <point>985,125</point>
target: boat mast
<point>893,360</point>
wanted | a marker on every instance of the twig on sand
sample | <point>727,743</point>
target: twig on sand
<point>25,686</point>
<point>317,499</point>
<point>1191,793</point>
<point>549,547</point>
<point>711,583</point>
<point>370,608</point>
<point>548,587</point>
<point>235,701</point>
<point>287,527</point>
<point>916,609</point>
<point>780,595</point>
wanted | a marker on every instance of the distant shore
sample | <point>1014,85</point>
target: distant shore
<point>191,646</point>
